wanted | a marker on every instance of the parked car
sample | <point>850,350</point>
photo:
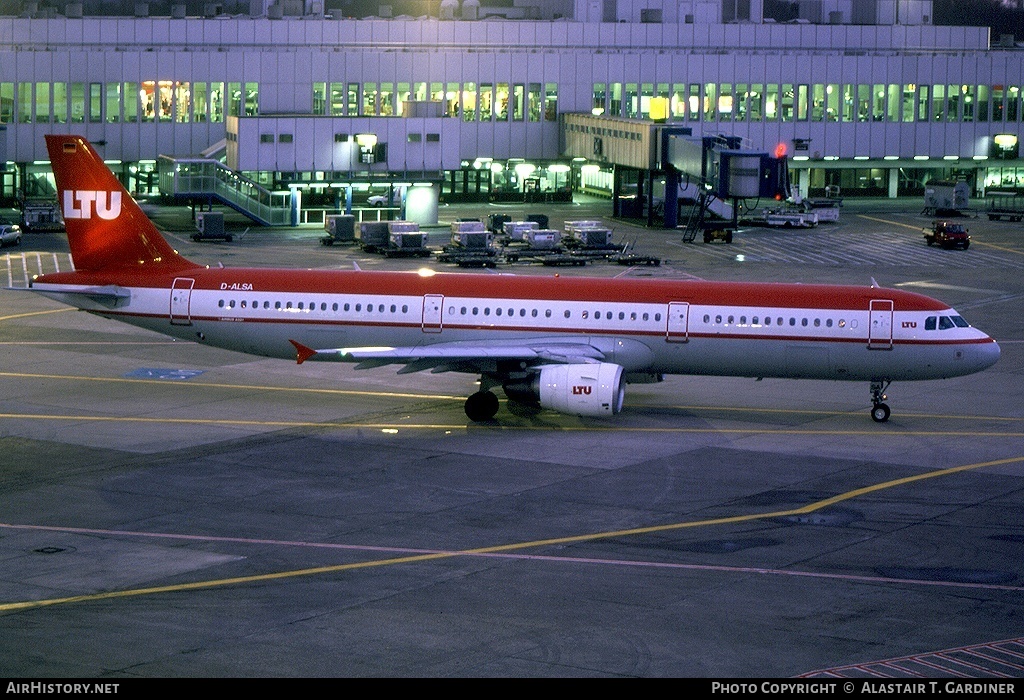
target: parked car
<point>377,200</point>
<point>10,234</point>
<point>948,234</point>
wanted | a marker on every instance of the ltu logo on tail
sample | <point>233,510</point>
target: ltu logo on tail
<point>80,204</point>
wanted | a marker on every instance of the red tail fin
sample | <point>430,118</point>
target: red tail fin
<point>107,230</point>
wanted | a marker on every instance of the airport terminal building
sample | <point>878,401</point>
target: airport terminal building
<point>472,98</point>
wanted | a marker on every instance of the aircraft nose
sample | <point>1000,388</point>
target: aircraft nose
<point>987,354</point>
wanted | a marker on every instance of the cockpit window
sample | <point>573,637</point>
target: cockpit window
<point>929,323</point>
<point>960,322</point>
<point>945,322</point>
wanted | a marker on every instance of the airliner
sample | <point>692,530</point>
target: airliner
<point>567,344</point>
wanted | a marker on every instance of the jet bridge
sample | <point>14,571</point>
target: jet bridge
<point>711,172</point>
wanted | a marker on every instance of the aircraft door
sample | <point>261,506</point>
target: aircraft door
<point>678,322</point>
<point>880,324</point>
<point>181,301</point>
<point>433,304</point>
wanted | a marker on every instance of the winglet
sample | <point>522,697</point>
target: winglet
<point>302,353</point>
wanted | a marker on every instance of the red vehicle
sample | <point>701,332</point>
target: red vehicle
<point>948,234</point>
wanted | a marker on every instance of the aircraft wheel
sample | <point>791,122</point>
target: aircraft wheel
<point>481,406</point>
<point>880,413</point>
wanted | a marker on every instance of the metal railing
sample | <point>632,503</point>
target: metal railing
<point>200,177</point>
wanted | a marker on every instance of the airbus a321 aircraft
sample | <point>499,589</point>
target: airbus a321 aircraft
<point>568,344</point>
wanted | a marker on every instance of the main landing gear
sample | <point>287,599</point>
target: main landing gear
<point>879,409</point>
<point>481,406</point>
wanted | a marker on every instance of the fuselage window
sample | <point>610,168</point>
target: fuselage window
<point>476,310</point>
<point>266,305</point>
<point>522,312</point>
<point>405,308</point>
<point>657,317</point>
<point>288,305</point>
<point>817,323</point>
<point>511,312</point>
<point>547,313</point>
<point>622,315</point>
<point>842,323</point>
<point>359,307</point>
<point>828,323</point>
<point>753,321</point>
<point>487,311</point>
<point>300,306</point>
<point>220,303</point>
<point>569,313</point>
<point>792,321</point>
<point>243,303</point>
<point>803,322</point>
<point>632,315</point>
<point>730,320</point>
<point>346,306</point>
<point>645,317</point>
<point>718,319</point>
<point>533,312</point>
<point>497,311</point>
<point>277,305</point>
<point>585,314</point>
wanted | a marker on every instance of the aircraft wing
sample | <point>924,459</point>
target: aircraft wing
<point>445,357</point>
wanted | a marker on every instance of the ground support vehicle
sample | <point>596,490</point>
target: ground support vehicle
<point>1005,205</point>
<point>407,244</point>
<point>788,218</point>
<point>827,210</point>
<point>210,227</point>
<point>718,231</point>
<point>341,229</point>
<point>394,239</point>
<point>634,260</point>
<point>948,234</point>
<point>41,216</point>
<point>471,245</point>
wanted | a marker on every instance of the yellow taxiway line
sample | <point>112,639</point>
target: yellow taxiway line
<point>512,547</point>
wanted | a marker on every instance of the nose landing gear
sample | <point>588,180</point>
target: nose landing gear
<point>879,409</point>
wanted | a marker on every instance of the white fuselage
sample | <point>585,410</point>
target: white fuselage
<point>672,337</point>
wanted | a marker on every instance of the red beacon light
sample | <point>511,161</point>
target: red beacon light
<point>780,150</point>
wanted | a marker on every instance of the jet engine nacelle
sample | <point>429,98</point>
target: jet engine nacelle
<point>582,390</point>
